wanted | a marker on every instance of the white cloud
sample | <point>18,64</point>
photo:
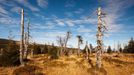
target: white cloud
<point>42,3</point>
<point>40,16</point>
<point>68,14</point>
<point>3,11</point>
<point>73,22</point>
<point>70,3</point>
<point>59,22</point>
<point>47,37</point>
<point>54,34</point>
<point>79,11</point>
<point>70,23</point>
<point>91,36</point>
<point>16,9</point>
<point>107,35</point>
<point>4,15</point>
<point>71,14</point>
<point>28,5</point>
<point>7,2</point>
<point>115,10</point>
<point>82,29</point>
<point>47,25</point>
<point>9,21</point>
<point>86,21</point>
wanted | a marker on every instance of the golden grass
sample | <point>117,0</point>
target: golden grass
<point>73,65</point>
<point>28,70</point>
<point>6,70</point>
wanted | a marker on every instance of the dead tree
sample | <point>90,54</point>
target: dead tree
<point>11,43</point>
<point>26,41</point>
<point>60,42</point>
<point>80,41</point>
<point>68,36</point>
<point>25,46</point>
<point>90,48</point>
<point>22,38</point>
<point>101,29</point>
<point>1,51</point>
<point>119,47</point>
<point>10,37</point>
<point>87,50</point>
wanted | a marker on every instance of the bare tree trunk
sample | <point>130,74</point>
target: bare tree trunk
<point>1,51</point>
<point>78,52</point>
<point>60,41</point>
<point>26,42</point>
<point>61,51</point>
<point>80,41</point>
<point>90,49</point>
<point>32,53</point>
<point>28,35</point>
<point>99,38</point>
<point>65,44</point>
<point>87,52</point>
<point>22,38</point>
<point>25,46</point>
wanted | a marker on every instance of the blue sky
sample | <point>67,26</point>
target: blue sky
<point>52,18</point>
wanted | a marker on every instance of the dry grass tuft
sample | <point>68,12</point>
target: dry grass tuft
<point>70,59</point>
<point>55,63</point>
<point>27,70</point>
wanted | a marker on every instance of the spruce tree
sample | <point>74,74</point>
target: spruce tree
<point>109,50</point>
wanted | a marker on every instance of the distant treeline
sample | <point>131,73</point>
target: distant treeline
<point>9,51</point>
<point>129,48</point>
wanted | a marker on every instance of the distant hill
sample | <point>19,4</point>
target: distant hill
<point>4,42</point>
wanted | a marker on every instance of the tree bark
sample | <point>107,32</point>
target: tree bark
<point>22,38</point>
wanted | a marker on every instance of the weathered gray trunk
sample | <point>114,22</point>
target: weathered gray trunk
<point>32,53</point>
<point>87,52</point>
<point>61,51</point>
<point>99,38</point>
<point>27,42</point>
<point>78,52</point>
<point>66,40</point>
<point>1,51</point>
<point>22,38</point>
<point>26,46</point>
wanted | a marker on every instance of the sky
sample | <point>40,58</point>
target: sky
<point>52,18</point>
